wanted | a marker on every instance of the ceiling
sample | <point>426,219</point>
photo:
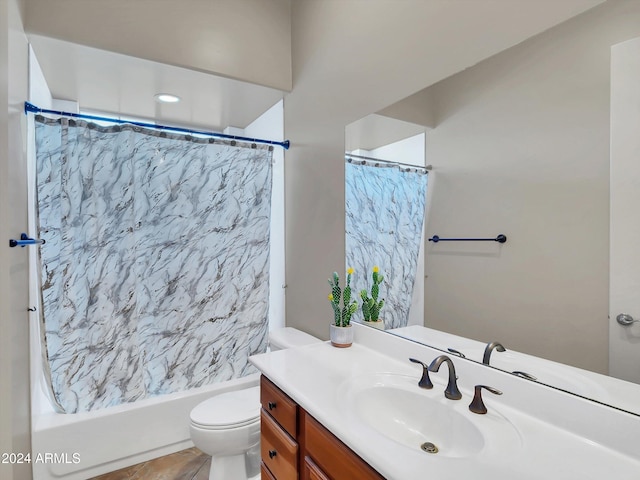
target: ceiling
<point>115,83</point>
<point>374,131</point>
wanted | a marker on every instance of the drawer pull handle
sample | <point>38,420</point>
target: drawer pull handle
<point>272,453</point>
<point>272,405</point>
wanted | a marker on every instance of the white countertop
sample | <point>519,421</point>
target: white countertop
<point>602,388</point>
<point>315,376</point>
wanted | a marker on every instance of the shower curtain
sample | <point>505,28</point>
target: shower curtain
<point>155,271</point>
<point>385,206</point>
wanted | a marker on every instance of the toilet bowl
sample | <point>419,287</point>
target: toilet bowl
<point>227,426</point>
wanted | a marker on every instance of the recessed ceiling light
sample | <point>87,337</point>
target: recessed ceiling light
<point>166,98</point>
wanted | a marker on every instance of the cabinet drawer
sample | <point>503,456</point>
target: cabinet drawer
<point>265,474</point>
<point>332,456</point>
<point>312,471</point>
<point>279,405</point>
<point>278,450</point>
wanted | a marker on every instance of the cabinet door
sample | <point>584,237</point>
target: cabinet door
<point>312,471</point>
<point>334,458</point>
<point>265,474</point>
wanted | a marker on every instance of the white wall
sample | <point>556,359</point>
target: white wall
<point>353,58</point>
<point>409,150</point>
<point>270,125</point>
<point>624,354</point>
<point>521,147</point>
<point>247,40</point>
<point>14,321</point>
<point>6,430</point>
<point>39,95</point>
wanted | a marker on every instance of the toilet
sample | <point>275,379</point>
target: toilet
<point>289,337</point>
<point>227,426</point>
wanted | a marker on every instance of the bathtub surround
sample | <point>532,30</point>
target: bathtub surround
<point>155,275</point>
<point>385,206</point>
<point>129,433</point>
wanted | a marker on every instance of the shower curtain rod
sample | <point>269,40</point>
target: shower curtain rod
<point>30,108</point>
<point>428,167</point>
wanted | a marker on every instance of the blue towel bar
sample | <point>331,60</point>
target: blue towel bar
<point>25,240</point>
<point>500,239</point>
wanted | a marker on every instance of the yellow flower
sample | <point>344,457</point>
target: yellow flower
<point>376,269</point>
<point>350,271</point>
<point>330,297</point>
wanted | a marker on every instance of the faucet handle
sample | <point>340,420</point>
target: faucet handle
<point>526,375</point>
<point>477,405</point>
<point>425,381</point>
<point>457,352</point>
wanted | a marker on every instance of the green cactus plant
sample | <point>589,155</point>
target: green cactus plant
<point>371,306</point>
<point>342,316</point>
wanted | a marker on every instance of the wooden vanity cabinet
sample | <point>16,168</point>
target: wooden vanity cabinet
<point>312,471</point>
<point>294,445</point>
<point>278,432</point>
<point>332,457</point>
<point>265,474</point>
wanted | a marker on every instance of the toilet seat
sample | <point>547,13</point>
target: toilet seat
<point>228,410</point>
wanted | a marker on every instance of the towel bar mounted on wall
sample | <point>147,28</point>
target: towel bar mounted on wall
<point>500,239</point>
<point>25,240</point>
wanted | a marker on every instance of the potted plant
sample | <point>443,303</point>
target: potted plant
<point>371,306</point>
<point>340,330</point>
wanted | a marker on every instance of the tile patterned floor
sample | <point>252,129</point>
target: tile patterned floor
<point>190,464</point>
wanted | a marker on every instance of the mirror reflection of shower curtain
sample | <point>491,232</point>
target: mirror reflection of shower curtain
<point>155,274</point>
<point>385,206</point>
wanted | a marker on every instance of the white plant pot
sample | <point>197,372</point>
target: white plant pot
<point>379,324</point>
<point>341,337</point>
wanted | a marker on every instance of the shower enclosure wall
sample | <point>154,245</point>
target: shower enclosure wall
<point>385,225</point>
<point>111,438</point>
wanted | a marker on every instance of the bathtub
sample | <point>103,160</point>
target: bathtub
<point>83,445</point>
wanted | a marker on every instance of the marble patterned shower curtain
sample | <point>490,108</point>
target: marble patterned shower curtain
<point>385,207</point>
<point>155,274</point>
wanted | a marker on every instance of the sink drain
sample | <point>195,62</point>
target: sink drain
<point>429,447</point>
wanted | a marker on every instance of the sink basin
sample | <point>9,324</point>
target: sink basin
<point>395,407</point>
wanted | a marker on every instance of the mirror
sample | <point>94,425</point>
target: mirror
<point>520,146</point>
<point>385,192</point>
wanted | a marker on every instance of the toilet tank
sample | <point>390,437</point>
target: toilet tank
<point>289,337</point>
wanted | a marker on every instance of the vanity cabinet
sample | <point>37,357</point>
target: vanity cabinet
<point>279,449</point>
<point>294,445</point>
<point>312,471</point>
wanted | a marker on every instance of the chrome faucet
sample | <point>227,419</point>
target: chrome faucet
<point>489,348</point>
<point>451,391</point>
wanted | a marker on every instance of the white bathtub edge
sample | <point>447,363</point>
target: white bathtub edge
<point>118,437</point>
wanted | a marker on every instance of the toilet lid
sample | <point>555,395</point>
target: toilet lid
<point>231,409</point>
